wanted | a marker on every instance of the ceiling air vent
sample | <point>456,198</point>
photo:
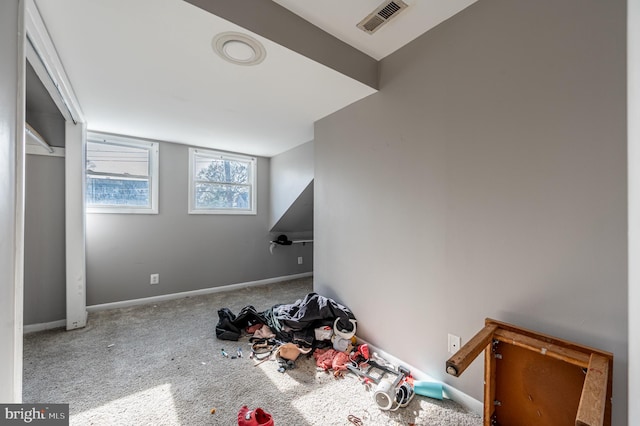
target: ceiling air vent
<point>381,15</point>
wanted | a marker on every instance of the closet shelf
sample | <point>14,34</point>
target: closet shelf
<point>286,242</point>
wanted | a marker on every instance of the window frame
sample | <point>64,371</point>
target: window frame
<point>153,149</point>
<point>201,152</point>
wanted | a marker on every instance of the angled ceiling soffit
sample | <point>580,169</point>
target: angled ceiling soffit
<point>278,24</point>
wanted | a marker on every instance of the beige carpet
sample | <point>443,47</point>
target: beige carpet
<point>161,364</point>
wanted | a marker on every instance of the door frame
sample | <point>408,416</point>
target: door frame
<point>43,57</point>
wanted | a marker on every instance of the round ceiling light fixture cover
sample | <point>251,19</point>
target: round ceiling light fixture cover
<point>238,48</point>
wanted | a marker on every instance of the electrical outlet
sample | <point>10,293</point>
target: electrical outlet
<point>299,260</point>
<point>453,343</point>
<point>155,279</point>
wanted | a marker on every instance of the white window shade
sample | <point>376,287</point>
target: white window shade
<point>122,175</point>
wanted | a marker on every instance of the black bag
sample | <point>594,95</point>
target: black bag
<point>225,329</point>
<point>230,327</point>
<point>248,316</point>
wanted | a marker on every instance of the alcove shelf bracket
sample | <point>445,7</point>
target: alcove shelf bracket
<point>274,243</point>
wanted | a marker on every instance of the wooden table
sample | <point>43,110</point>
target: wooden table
<point>535,379</point>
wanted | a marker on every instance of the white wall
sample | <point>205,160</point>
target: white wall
<point>487,178</point>
<point>12,112</point>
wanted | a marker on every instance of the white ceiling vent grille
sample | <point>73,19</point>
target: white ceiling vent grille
<point>381,15</point>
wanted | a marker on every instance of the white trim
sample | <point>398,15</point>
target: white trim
<point>32,328</point>
<point>75,143</point>
<point>20,183</point>
<point>154,165</point>
<point>633,171</point>
<point>43,75</point>
<point>43,57</point>
<point>181,295</point>
<point>12,115</point>
<point>41,53</point>
<point>33,149</point>
<point>449,391</point>
<point>227,156</point>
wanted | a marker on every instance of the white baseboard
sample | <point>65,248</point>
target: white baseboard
<point>32,328</point>
<point>172,296</point>
<point>450,392</point>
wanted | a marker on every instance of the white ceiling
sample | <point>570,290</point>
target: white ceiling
<point>339,18</point>
<point>145,68</point>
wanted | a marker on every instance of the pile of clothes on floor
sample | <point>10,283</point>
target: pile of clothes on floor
<point>314,323</point>
<point>319,324</point>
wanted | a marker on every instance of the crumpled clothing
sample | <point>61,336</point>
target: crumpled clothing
<point>297,321</point>
<point>330,359</point>
<point>291,351</point>
<point>312,311</point>
<point>263,333</point>
<point>253,328</point>
<point>293,322</point>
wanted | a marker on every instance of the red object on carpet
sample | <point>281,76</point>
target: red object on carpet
<point>257,417</point>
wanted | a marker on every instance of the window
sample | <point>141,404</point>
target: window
<point>221,183</point>
<point>122,175</point>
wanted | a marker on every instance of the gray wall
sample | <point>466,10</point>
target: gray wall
<point>487,178</point>
<point>44,262</point>
<point>42,113</point>
<point>44,246</point>
<point>291,177</point>
<point>633,161</point>
<point>299,217</point>
<point>189,252</point>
